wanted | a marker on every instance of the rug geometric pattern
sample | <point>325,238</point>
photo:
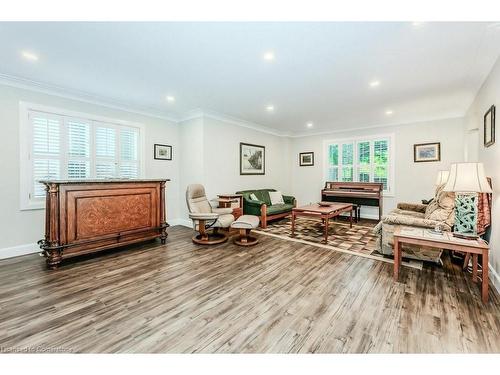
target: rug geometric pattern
<point>358,239</point>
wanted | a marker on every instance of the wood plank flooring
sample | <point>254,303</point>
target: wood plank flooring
<point>276,297</point>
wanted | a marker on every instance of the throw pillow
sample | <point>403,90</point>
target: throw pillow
<point>253,197</point>
<point>276,197</point>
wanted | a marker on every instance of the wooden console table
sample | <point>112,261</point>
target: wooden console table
<point>446,240</point>
<point>85,216</point>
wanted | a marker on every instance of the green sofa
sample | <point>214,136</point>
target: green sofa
<point>263,208</point>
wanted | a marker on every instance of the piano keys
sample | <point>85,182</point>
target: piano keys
<point>360,193</point>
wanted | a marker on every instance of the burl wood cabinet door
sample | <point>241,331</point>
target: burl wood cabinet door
<point>96,213</point>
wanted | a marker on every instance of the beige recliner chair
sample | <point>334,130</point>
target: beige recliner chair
<point>206,219</point>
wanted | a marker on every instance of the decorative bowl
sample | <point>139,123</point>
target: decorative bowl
<point>325,204</point>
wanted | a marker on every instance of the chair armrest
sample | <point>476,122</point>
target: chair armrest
<point>203,216</point>
<point>415,222</point>
<point>417,207</point>
<point>289,199</point>
<point>222,210</point>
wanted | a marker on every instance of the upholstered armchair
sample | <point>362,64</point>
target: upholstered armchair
<point>439,213</point>
<point>206,219</point>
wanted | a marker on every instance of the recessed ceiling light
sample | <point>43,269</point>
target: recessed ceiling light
<point>416,23</point>
<point>268,56</point>
<point>270,108</point>
<point>375,83</point>
<point>389,112</point>
<point>309,124</point>
<point>170,99</point>
<point>29,56</point>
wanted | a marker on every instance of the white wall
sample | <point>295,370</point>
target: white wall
<point>488,95</point>
<point>192,163</point>
<point>19,228</point>
<point>210,156</point>
<point>413,181</point>
<point>222,166</point>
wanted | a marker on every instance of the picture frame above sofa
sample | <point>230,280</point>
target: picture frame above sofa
<point>427,152</point>
<point>252,159</point>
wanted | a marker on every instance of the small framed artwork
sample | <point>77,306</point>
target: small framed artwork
<point>306,159</point>
<point>425,152</point>
<point>489,127</point>
<point>252,159</point>
<point>163,152</point>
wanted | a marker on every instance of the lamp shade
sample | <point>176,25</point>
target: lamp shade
<point>442,177</point>
<point>467,178</point>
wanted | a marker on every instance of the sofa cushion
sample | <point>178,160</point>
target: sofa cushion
<point>263,195</point>
<point>441,208</point>
<point>399,211</point>
<point>279,208</point>
<point>276,197</point>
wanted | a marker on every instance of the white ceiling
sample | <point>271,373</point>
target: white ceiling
<point>321,72</point>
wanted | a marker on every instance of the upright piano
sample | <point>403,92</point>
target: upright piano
<point>360,193</point>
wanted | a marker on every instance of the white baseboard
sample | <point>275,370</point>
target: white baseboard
<point>31,248</point>
<point>15,251</point>
<point>494,277</point>
<point>183,222</point>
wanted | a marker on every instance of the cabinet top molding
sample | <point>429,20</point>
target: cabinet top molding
<point>103,181</point>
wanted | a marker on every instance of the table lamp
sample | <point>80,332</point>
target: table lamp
<point>442,177</point>
<point>467,180</point>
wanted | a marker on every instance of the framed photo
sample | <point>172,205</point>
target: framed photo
<point>489,127</point>
<point>163,152</point>
<point>425,152</point>
<point>306,159</point>
<point>252,159</point>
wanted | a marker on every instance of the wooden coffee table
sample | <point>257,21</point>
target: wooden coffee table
<point>446,240</point>
<point>325,213</point>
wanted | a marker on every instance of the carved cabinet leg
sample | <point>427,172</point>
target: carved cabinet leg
<point>54,258</point>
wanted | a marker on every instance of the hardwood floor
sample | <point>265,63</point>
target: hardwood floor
<point>277,297</point>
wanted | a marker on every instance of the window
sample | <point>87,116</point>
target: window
<point>56,144</point>
<point>361,160</point>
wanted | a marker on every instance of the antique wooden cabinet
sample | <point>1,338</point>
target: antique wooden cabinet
<point>85,216</point>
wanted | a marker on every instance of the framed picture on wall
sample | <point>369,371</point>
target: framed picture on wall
<point>163,152</point>
<point>425,152</point>
<point>306,159</point>
<point>252,159</point>
<point>489,127</point>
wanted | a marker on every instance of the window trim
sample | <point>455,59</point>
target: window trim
<point>374,137</point>
<point>26,136</point>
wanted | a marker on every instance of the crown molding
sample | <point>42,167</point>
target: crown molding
<point>378,126</point>
<point>191,115</point>
<point>81,96</point>
<point>201,113</point>
<point>23,83</point>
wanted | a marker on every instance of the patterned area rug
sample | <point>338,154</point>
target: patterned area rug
<point>358,240</point>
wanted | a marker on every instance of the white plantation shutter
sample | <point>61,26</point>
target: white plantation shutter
<point>78,148</point>
<point>129,164</point>
<point>363,160</point>
<point>46,150</point>
<point>60,146</point>
<point>347,161</point>
<point>381,159</point>
<point>105,151</point>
